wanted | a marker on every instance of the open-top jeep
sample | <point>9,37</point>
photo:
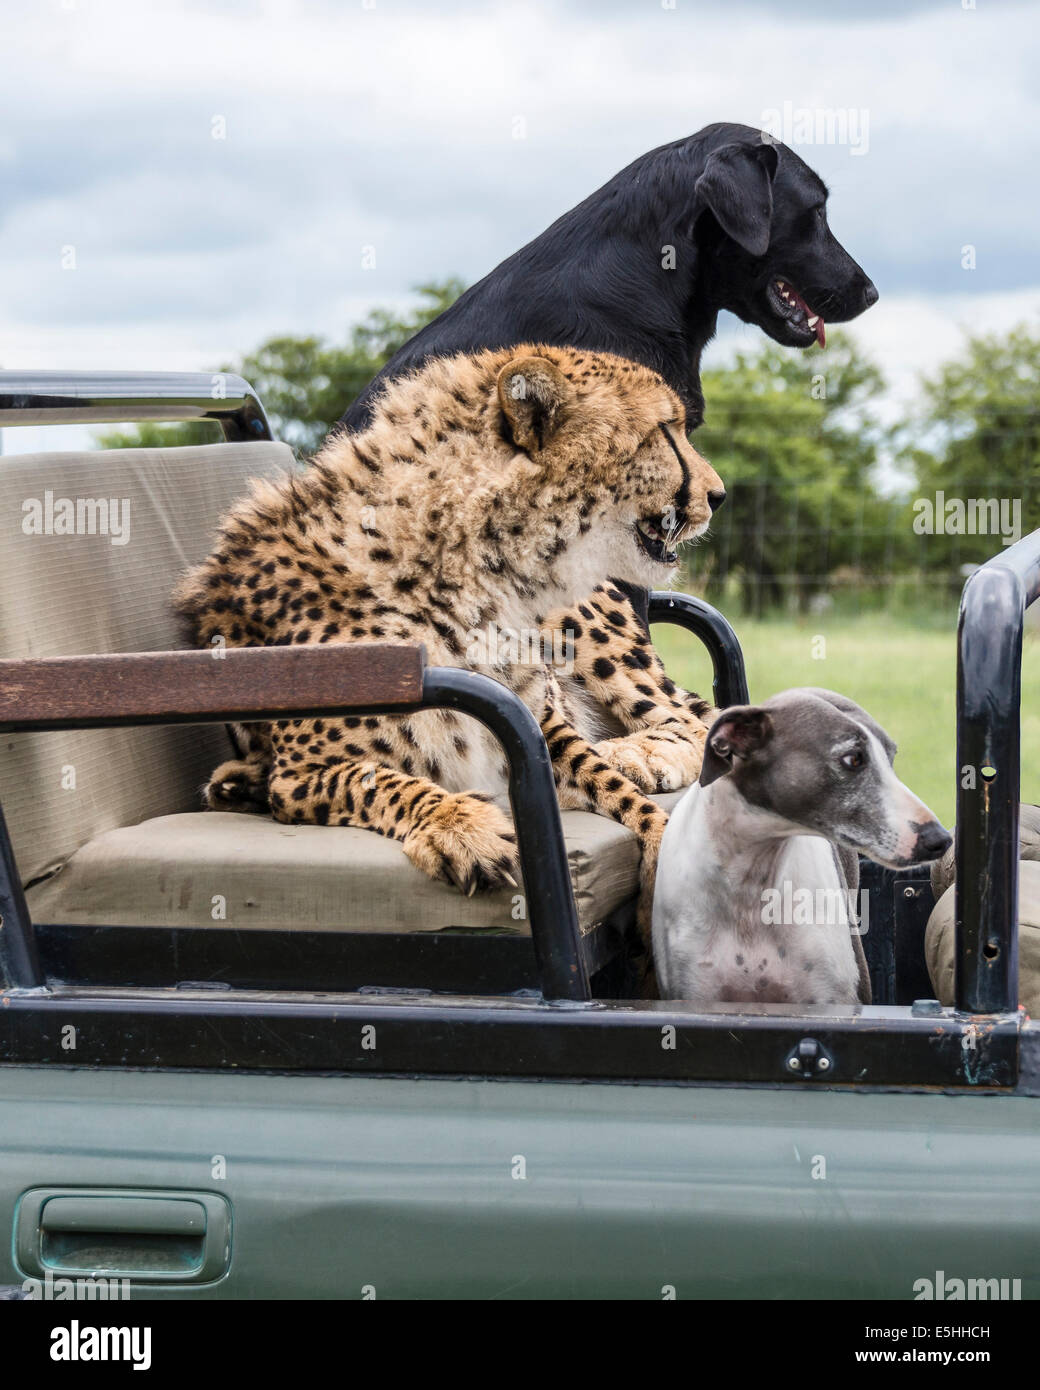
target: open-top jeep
<point>248,1059</point>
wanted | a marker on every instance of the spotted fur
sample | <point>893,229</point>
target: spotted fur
<point>491,494</point>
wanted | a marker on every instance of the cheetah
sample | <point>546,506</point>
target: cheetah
<point>491,494</point>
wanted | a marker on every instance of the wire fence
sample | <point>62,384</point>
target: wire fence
<point>799,545</point>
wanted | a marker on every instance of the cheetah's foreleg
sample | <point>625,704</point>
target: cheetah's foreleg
<point>461,838</point>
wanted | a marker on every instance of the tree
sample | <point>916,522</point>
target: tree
<point>794,439</point>
<point>976,439</point>
<point>306,383</point>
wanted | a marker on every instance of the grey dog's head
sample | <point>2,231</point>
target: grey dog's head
<point>820,763</point>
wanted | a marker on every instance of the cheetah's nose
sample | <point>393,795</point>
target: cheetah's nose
<point>715,500</point>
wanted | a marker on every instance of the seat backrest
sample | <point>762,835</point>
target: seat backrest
<point>91,545</point>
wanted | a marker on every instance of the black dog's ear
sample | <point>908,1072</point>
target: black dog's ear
<point>737,185</point>
<point>736,733</point>
<point>533,394</point>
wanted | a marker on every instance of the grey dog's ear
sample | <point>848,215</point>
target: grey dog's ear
<point>737,733</point>
<point>737,185</point>
<point>850,707</point>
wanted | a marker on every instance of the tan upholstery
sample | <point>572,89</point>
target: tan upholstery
<point>942,870</point>
<point>220,869</point>
<point>940,943</point>
<point>74,594</point>
<point>105,823</point>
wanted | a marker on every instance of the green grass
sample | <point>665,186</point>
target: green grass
<point>901,673</point>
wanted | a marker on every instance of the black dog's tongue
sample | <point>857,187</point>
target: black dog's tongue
<point>818,327</point>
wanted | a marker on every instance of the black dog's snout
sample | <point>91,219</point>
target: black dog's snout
<point>932,842</point>
<point>870,294</point>
<point>715,500</point>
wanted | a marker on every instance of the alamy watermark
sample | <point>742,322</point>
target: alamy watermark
<point>818,125</point>
<point>80,1342</point>
<point>969,516</point>
<point>789,906</point>
<point>525,646</point>
<point>77,516</point>
<point>61,1289</point>
<point>943,1289</point>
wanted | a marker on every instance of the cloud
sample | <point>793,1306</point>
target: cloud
<point>446,136</point>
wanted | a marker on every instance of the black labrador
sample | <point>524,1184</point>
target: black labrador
<point>725,219</point>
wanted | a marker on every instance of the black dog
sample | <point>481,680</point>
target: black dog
<point>725,219</point>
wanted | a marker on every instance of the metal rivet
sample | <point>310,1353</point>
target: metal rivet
<point>794,1064</point>
<point>909,892</point>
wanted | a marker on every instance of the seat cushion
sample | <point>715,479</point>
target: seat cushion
<point>207,869</point>
<point>940,941</point>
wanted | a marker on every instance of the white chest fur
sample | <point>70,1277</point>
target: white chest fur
<point>745,911</point>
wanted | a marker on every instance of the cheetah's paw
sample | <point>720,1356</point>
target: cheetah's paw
<point>467,842</point>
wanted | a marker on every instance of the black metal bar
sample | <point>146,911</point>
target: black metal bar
<point>284,959</point>
<point>454,960</point>
<point>989,678</point>
<point>729,686</point>
<point>878,940</point>
<point>551,911</point>
<point>459,1036</point>
<point>94,398</point>
<point>910,903</point>
<point>19,959</point>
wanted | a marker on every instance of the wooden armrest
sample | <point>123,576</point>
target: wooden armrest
<point>199,687</point>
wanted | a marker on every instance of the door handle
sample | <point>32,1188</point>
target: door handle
<point>123,1233</point>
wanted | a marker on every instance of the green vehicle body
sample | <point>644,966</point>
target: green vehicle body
<point>421,1188</point>
<point>209,1137</point>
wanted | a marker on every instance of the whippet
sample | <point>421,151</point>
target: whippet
<point>758,869</point>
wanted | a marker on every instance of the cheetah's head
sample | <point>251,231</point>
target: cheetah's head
<point>607,438</point>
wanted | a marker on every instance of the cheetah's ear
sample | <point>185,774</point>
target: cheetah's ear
<point>533,394</point>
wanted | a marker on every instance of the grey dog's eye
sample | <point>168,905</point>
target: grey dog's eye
<point>853,760</point>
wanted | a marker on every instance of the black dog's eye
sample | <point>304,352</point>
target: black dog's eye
<point>853,760</point>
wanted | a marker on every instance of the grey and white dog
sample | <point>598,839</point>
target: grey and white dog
<point>758,869</point>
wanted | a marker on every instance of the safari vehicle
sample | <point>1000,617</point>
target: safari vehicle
<point>250,1060</point>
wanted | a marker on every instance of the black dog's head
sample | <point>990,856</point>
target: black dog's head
<point>761,217</point>
<point>746,220</point>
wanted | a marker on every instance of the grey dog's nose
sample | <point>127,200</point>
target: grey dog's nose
<point>932,842</point>
<point>870,294</point>
<point>715,500</point>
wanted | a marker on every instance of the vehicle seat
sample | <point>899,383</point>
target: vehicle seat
<point>106,824</point>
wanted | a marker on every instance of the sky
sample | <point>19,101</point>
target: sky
<point>180,179</point>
